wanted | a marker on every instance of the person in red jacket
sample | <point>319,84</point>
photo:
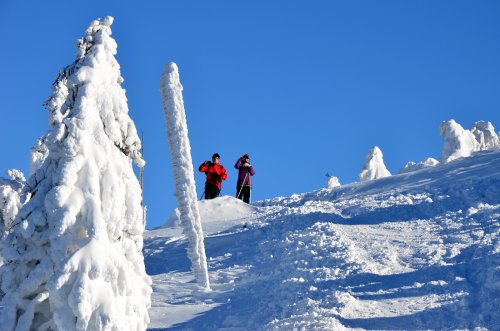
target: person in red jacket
<point>215,173</point>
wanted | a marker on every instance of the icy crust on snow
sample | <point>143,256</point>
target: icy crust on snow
<point>415,251</point>
<point>73,259</point>
<point>182,164</point>
<point>374,167</point>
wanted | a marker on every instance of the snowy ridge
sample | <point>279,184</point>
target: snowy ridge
<point>418,250</point>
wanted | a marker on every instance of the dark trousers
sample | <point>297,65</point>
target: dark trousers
<point>211,191</point>
<point>244,194</point>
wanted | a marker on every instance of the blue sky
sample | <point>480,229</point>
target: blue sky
<point>304,87</point>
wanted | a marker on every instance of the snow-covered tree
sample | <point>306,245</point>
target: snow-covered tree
<point>412,166</point>
<point>458,142</point>
<point>374,167</point>
<point>10,198</point>
<point>74,255</point>
<point>332,181</point>
<point>485,135</point>
<point>185,187</point>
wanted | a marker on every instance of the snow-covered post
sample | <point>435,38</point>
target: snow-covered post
<point>374,167</point>
<point>73,259</point>
<point>185,188</point>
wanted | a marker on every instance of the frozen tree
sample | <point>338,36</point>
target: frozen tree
<point>332,181</point>
<point>374,167</point>
<point>73,259</point>
<point>185,187</point>
<point>485,135</point>
<point>458,142</point>
<point>38,154</point>
<point>412,166</point>
<point>10,198</point>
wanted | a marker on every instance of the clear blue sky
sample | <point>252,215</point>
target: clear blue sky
<point>304,87</point>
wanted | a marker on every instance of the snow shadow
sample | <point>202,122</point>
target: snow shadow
<point>454,283</point>
<point>231,246</point>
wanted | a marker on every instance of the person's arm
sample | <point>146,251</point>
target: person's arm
<point>251,171</point>
<point>238,163</point>
<point>204,166</point>
<point>223,175</point>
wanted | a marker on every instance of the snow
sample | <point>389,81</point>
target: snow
<point>458,142</point>
<point>412,166</point>
<point>73,257</point>
<point>374,167</point>
<point>332,182</point>
<point>182,164</point>
<point>485,135</point>
<point>418,250</point>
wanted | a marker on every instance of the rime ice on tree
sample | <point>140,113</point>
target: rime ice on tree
<point>458,142</point>
<point>374,167</point>
<point>74,256</point>
<point>185,189</point>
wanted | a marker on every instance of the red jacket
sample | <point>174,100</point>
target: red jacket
<point>215,172</point>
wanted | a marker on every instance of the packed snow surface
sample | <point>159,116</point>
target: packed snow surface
<point>418,250</point>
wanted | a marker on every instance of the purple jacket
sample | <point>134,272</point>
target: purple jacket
<point>244,173</point>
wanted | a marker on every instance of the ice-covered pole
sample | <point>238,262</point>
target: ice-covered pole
<point>185,188</point>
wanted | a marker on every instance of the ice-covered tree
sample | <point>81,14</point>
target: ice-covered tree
<point>332,181</point>
<point>458,142</point>
<point>485,135</point>
<point>374,167</point>
<point>74,255</point>
<point>10,198</point>
<point>412,166</point>
<point>185,187</point>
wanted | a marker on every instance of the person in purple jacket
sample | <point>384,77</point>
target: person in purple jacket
<point>245,173</point>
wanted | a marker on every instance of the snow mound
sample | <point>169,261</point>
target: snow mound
<point>218,214</point>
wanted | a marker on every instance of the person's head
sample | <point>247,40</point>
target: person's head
<point>215,158</point>
<point>246,157</point>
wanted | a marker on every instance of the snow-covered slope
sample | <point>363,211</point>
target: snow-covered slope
<point>419,250</point>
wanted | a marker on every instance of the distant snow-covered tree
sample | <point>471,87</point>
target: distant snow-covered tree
<point>332,181</point>
<point>185,187</point>
<point>458,142</point>
<point>412,166</point>
<point>485,135</point>
<point>374,167</point>
<point>73,259</point>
